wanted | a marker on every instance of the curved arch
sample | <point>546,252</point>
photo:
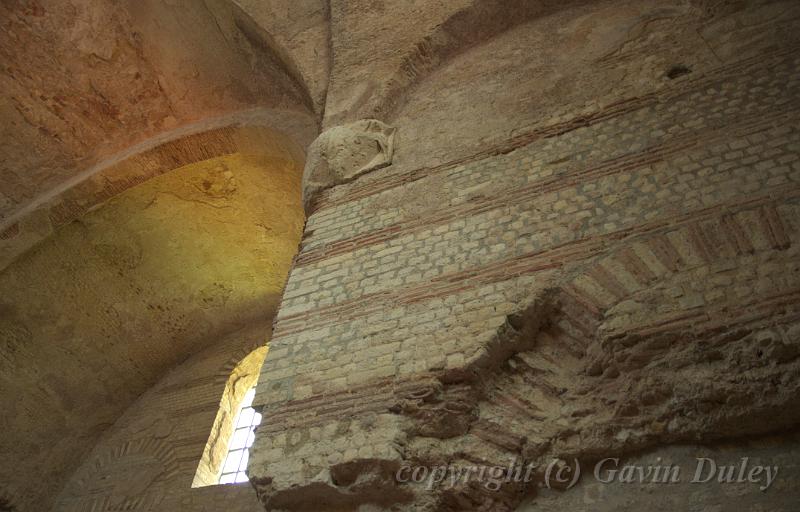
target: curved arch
<point>715,241</point>
<point>143,460</point>
<point>281,134</point>
<point>157,442</point>
<point>259,37</point>
<point>152,65</point>
<point>152,258</point>
<point>465,29</point>
<point>559,380</point>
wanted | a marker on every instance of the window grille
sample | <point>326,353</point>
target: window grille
<point>247,419</point>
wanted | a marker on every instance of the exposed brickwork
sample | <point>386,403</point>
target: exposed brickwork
<point>148,459</point>
<point>655,103</point>
<point>644,216</point>
<point>135,167</point>
<point>522,221</point>
<point>535,230</point>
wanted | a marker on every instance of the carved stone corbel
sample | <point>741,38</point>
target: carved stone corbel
<point>343,153</point>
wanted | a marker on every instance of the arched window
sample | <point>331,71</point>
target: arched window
<point>233,469</point>
<point>226,453</point>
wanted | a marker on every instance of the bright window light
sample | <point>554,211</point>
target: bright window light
<point>247,419</point>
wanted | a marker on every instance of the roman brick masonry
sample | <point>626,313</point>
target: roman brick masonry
<point>548,299</point>
<point>473,235</point>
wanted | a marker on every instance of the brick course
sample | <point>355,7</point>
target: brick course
<point>694,184</point>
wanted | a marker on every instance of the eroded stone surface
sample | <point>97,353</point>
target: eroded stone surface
<point>96,314</point>
<point>82,80</point>
<point>594,494</point>
<point>639,187</point>
<point>585,245</point>
<point>343,153</point>
<point>301,35</point>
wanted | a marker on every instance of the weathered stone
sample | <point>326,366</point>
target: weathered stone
<point>586,245</point>
<point>343,153</point>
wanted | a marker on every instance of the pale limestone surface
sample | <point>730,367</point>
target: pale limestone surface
<point>96,314</point>
<point>82,80</point>
<point>584,244</point>
<point>343,153</point>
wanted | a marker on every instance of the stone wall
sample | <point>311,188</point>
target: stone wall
<point>149,458</point>
<point>598,281</point>
<point>551,230</point>
<point>683,494</point>
<point>95,314</point>
<point>84,79</point>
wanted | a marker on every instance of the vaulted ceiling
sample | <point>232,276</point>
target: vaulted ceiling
<point>82,81</point>
<point>151,154</point>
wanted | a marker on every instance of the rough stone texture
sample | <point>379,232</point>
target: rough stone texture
<point>685,495</point>
<point>95,315</point>
<point>82,80</point>
<point>343,153</point>
<point>372,76</point>
<point>585,245</point>
<point>299,32</point>
<point>248,132</point>
<point>149,458</point>
<point>602,264</point>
